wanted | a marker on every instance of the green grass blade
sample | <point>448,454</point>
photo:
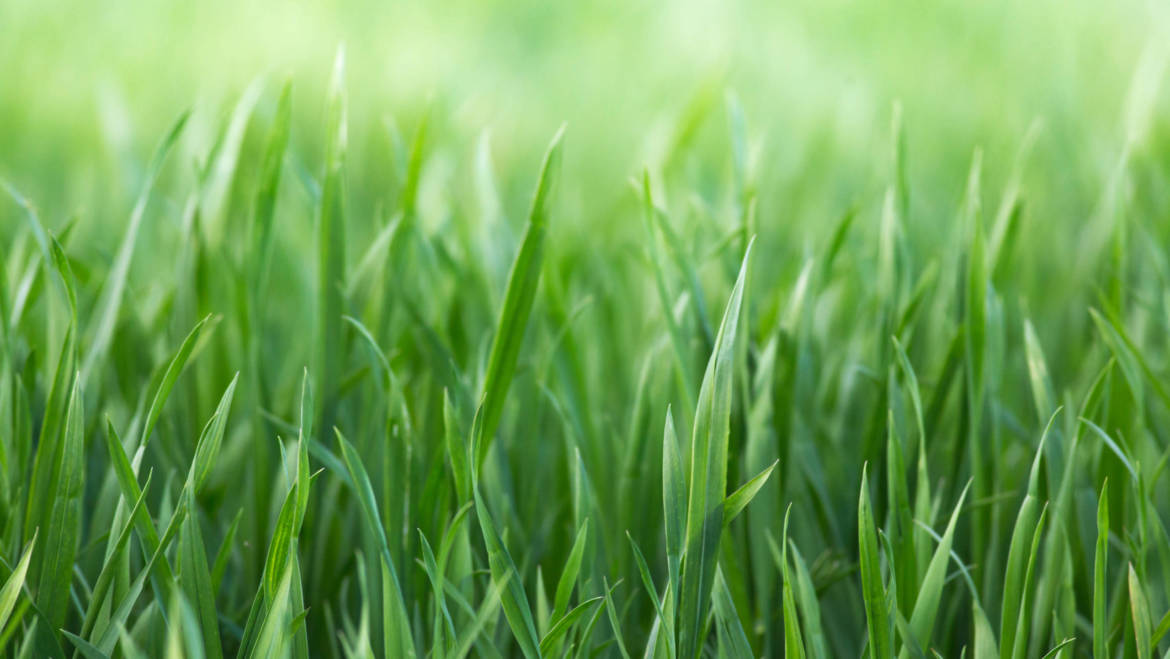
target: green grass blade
<point>739,499</point>
<point>926,607</point>
<point>708,479</point>
<point>331,257</point>
<point>568,577</point>
<point>877,614</point>
<point>523,280</point>
<point>515,603</point>
<point>566,622</point>
<point>195,581</point>
<point>10,592</point>
<point>1100,561</point>
<point>108,310</point>
<point>63,527</point>
<point>1139,610</point>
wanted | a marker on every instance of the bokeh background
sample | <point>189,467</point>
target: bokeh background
<point>87,88</point>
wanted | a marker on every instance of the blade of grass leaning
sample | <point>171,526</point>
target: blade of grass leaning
<point>520,293</point>
<point>569,574</point>
<point>515,602</point>
<point>927,604</point>
<point>562,625</point>
<point>877,613</point>
<point>101,588</point>
<point>108,310</point>
<point>739,499</point>
<point>1139,610</point>
<point>708,478</point>
<point>733,641</point>
<point>11,590</point>
<point>397,628</point>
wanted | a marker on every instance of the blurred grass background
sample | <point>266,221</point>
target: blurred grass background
<point>88,87</point>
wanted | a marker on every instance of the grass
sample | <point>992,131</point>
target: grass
<point>297,399</point>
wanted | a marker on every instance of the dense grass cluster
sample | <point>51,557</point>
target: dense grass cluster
<point>301,404</point>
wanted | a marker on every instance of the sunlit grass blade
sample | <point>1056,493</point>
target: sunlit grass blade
<point>520,294</point>
<point>708,479</point>
<point>331,246</point>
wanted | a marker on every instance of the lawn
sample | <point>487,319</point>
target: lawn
<point>523,329</point>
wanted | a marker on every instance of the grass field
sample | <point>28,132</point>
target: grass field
<point>818,329</point>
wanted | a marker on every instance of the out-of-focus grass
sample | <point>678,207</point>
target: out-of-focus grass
<point>822,329</point>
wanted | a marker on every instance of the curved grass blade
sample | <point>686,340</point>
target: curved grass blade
<point>108,310</point>
<point>521,292</point>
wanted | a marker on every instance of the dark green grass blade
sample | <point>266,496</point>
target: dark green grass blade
<point>62,528</point>
<point>515,602</point>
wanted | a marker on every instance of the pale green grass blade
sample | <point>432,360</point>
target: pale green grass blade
<point>515,602</point>
<point>331,246</point>
<point>195,581</point>
<point>877,613</point>
<point>108,310</point>
<point>611,612</point>
<point>733,641</point>
<point>708,479</point>
<point>210,440</point>
<point>663,621</point>
<point>793,641</point>
<point>1020,649</point>
<point>739,499</point>
<point>105,580</point>
<point>926,607</point>
<point>397,626</point>
<point>523,280</point>
<point>1100,562</point>
<point>10,592</point>
<point>566,622</point>
<point>569,574</point>
<point>264,207</point>
<point>1139,610</point>
<point>170,376</point>
<point>108,634</point>
<point>1059,648</point>
<point>674,502</point>
<point>63,526</point>
<point>809,607</point>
